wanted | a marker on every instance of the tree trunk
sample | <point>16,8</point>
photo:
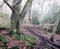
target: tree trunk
<point>55,28</point>
<point>25,10</point>
<point>30,19</point>
<point>15,18</point>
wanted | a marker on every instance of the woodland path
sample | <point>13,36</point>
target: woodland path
<point>43,37</point>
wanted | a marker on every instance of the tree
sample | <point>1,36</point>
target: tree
<point>16,16</point>
<point>30,13</point>
<point>55,26</point>
<point>34,18</point>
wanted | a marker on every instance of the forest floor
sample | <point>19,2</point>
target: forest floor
<point>39,31</point>
<point>13,42</point>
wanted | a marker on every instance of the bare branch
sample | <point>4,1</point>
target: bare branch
<point>9,6</point>
<point>1,4</point>
<point>17,3</point>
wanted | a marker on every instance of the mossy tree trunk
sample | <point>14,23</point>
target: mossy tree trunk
<point>16,16</point>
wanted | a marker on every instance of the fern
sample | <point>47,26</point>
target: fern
<point>15,36</point>
<point>3,39</point>
<point>30,39</point>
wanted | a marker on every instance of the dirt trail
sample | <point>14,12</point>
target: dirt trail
<point>36,31</point>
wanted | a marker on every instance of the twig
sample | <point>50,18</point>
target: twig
<point>17,3</point>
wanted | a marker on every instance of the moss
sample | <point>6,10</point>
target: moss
<point>28,1</point>
<point>3,14</point>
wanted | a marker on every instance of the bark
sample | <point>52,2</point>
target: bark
<point>15,17</point>
<point>54,30</point>
<point>25,10</point>
<point>55,26</point>
<point>30,13</point>
<point>17,3</point>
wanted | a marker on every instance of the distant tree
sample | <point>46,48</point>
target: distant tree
<point>56,25</point>
<point>30,14</point>
<point>34,18</point>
